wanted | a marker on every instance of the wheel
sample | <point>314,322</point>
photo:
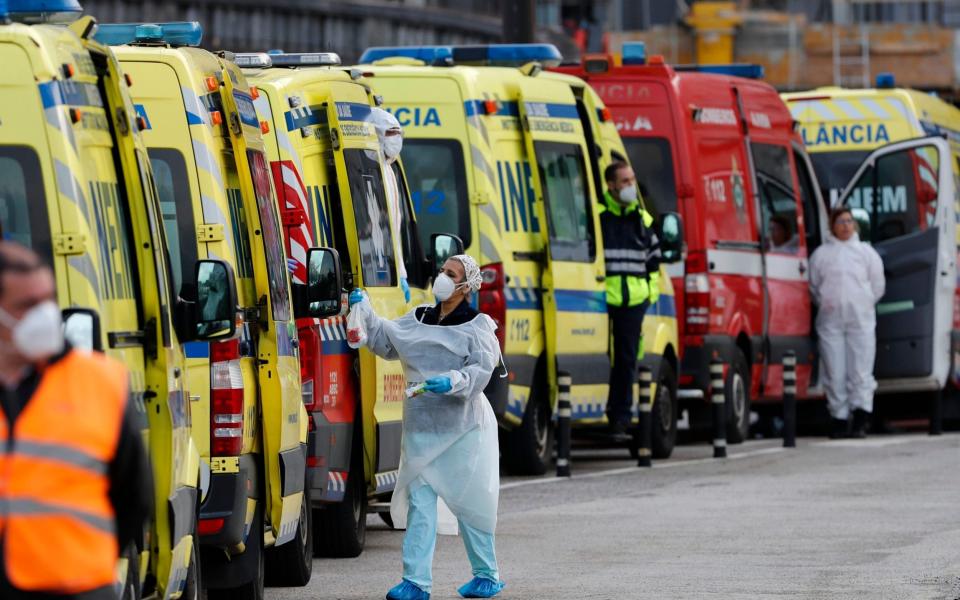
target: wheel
<point>527,449</point>
<point>131,585</point>
<point>665,412</point>
<point>736,389</point>
<point>251,561</point>
<point>291,564</point>
<point>340,530</point>
<point>192,589</point>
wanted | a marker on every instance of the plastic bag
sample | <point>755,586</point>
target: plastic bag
<point>356,332</point>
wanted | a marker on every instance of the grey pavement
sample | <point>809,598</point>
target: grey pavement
<point>875,518</point>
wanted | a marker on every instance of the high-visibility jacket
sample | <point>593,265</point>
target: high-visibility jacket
<point>631,252</point>
<point>56,519</point>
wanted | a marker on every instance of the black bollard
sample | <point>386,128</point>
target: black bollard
<point>644,434</point>
<point>789,399</point>
<point>717,398</point>
<point>564,382</point>
<point>936,413</point>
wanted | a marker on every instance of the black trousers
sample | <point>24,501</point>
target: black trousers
<point>626,324</point>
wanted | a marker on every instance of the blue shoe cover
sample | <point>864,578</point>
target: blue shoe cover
<point>407,591</point>
<point>481,587</point>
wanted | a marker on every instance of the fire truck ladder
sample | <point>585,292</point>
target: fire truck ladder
<point>851,57</point>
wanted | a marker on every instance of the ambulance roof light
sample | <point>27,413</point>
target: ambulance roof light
<point>306,59</point>
<point>634,53</point>
<point>187,33</point>
<point>253,60</point>
<point>41,11</point>
<point>745,70</point>
<point>487,54</point>
<point>886,81</point>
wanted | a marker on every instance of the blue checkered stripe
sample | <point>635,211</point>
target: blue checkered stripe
<point>525,296</point>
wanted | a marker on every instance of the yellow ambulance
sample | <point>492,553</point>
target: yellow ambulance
<point>466,155</point>
<point>78,189</point>
<point>328,170</point>
<point>903,200</point>
<point>204,141</point>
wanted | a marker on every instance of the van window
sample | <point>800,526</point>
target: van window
<point>372,218</point>
<point>652,162</point>
<point>410,244</point>
<point>272,236</point>
<point>808,199</point>
<point>898,194</point>
<point>170,174</point>
<point>438,184</point>
<point>23,203</point>
<point>834,170</point>
<point>778,202</point>
<point>564,182</point>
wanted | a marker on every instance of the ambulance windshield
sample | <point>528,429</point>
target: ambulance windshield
<point>438,186</point>
<point>23,207</point>
<point>653,164</point>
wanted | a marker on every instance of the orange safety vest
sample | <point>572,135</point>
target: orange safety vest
<point>56,520</point>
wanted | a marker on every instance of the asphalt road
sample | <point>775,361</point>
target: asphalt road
<point>875,518</point>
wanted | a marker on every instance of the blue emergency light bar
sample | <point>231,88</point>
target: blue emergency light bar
<point>306,59</point>
<point>253,60</point>
<point>745,70</point>
<point>41,11</point>
<point>634,53</point>
<point>487,54</point>
<point>886,81</point>
<point>187,33</point>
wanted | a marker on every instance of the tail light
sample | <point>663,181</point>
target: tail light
<point>309,352</point>
<point>226,399</point>
<point>493,302</point>
<point>696,296</point>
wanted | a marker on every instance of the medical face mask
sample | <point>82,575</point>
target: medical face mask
<point>443,287</point>
<point>39,334</point>
<point>392,144</point>
<point>628,195</point>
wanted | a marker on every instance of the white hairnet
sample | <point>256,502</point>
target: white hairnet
<point>383,122</point>
<point>471,271</point>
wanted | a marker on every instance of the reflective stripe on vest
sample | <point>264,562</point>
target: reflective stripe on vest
<point>56,519</point>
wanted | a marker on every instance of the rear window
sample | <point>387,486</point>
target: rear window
<point>438,186</point>
<point>834,170</point>
<point>653,164</point>
<point>23,204</point>
<point>170,175</point>
<point>372,218</point>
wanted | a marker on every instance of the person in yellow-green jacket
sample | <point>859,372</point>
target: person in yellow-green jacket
<point>631,251</point>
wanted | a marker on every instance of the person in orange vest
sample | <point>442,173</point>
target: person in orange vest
<point>75,485</point>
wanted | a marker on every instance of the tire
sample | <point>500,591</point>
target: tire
<point>193,590</point>
<point>340,530</point>
<point>736,389</point>
<point>291,564</point>
<point>251,561</point>
<point>527,449</point>
<point>665,412</point>
<point>131,585</point>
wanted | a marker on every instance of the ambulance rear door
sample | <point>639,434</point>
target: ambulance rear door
<point>572,284</point>
<point>903,199</point>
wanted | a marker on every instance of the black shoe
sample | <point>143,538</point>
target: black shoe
<point>861,419</point>
<point>838,429</point>
<point>619,431</point>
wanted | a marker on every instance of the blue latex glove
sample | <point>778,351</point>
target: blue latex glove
<point>356,296</point>
<point>438,385</point>
<point>406,288</point>
<point>292,265</point>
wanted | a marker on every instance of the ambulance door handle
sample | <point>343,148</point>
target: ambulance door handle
<point>601,278</point>
<point>802,268</point>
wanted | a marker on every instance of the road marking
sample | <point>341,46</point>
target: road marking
<point>635,469</point>
<point>881,442</point>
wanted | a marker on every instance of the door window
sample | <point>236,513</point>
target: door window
<point>23,204</point>
<point>653,164</point>
<point>897,195</point>
<point>438,185</point>
<point>176,205</point>
<point>778,202</point>
<point>272,236</point>
<point>372,218</point>
<point>808,199</point>
<point>410,244</point>
<point>566,197</point>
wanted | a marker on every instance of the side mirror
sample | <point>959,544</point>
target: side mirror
<point>324,283</point>
<point>216,306</point>
<point>670,226</point>
<point>442,247</point>
<point>81,328</point>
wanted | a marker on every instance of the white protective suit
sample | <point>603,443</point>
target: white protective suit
<point>846,281</point>
<point>449,440</point>
<point>383,122</point>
